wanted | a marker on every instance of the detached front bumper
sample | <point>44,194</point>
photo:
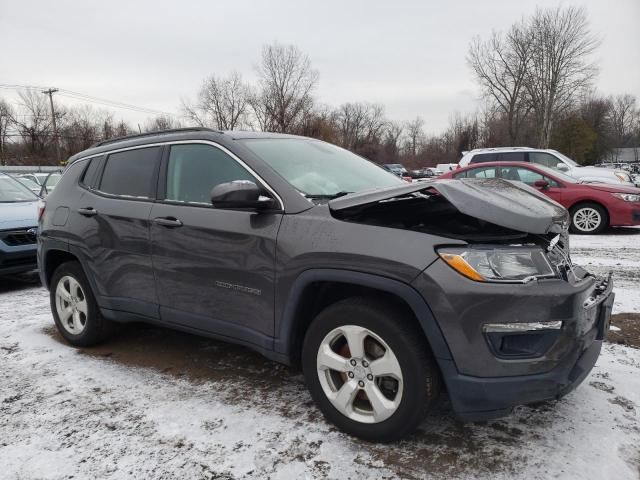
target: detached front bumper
<point>484,383</point>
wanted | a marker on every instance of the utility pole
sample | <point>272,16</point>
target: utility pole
<point>50,92</point>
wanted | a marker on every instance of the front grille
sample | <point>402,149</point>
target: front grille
<point>19,237</point>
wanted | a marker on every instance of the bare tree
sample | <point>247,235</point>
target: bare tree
<point>358,123</point>
<point>415,135</point>
<point>223,103</point>
<point>32,119</point>
<point>560,66</point>
<point>624,116</point>
<point>500,64</point>
<point>391,144</point>
<point>161,122</point>
<point>6,113</point>
<point>286,83</point>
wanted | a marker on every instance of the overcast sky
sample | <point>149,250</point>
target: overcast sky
<point>407,55</point>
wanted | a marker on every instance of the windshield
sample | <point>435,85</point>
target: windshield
<point>567,159</point>
<point>53,179</point>
<point>12,191</point>
<point>559,175</point>
<point>319,169</point>
<point>27,182</point>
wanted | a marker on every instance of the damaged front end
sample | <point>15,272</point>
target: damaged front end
<point>521,322</point>
<point>511,232</point>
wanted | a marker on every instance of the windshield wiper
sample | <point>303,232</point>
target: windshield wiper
<point>331,196</point>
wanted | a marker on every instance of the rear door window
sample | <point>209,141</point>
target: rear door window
<point>480,172</point>
<point>483,158</point>
<point>525,175</point>
<point>512,157</point>
<point>131,173</point>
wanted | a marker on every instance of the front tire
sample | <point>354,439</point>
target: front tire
<point>589,219</point>
<point>369,369</point>
<point>74,308</point>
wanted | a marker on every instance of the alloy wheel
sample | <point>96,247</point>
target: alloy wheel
<point>71,305</point>
<point>359,374</point>
<point>587,219</point>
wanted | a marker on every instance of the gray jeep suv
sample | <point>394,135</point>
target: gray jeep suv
<point>386,293</point>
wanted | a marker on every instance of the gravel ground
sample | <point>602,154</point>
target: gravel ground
<point>153,403</point>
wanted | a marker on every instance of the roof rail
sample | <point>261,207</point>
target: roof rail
<point>151,134</point>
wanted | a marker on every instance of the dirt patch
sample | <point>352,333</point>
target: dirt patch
<point>180,354</point>
<point>629,325</point>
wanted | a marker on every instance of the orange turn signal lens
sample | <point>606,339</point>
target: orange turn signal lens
<point>460,265</point>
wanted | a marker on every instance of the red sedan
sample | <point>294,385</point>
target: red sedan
<point>593,206</point>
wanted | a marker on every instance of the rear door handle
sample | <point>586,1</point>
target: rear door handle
<point>87,211</point>
<point>169,222</point>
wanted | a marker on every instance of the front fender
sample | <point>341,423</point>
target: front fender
<point>286,327</point>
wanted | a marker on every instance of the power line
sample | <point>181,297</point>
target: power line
<point>50,92</point>
<point>91,99</point>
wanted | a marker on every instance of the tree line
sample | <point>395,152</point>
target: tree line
<point>536,79</point>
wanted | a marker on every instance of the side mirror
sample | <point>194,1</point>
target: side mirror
<point>239,194</point>
<point>562,167</point>
<point>541,184</point>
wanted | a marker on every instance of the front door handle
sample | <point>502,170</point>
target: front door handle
<point>169,222</point>
<point>87,211</point>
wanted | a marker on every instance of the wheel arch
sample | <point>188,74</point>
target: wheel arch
<point>53,258</point>
<point>316,289</point>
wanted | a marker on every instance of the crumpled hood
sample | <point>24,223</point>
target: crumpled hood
<point>513,205</point>
<point>18,215</point>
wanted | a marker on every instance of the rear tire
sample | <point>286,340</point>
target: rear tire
<point>360,349</point>
<point>589,219</point>
<point>74,308</point>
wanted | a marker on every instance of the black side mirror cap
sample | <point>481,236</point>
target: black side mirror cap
<point>240,194</point>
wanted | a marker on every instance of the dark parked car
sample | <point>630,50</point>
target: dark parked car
<point>421,174</point>
<point>396,168</point>
<point>18,226</point>
<point>281,243</point>
<point>593,206</point>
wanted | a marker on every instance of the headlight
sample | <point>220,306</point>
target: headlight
<point>509,264</point>
<point>627,197</point>
<point>623,176</point>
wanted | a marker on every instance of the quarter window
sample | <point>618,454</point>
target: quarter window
<point>194,169</point>
<point>131,173</point>
<point>544,159</point>
<point>89,176</point>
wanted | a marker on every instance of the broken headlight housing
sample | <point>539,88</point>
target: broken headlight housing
<point>496,264</point>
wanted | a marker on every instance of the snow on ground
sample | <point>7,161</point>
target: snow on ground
<point>159,404</point>
<point>619,251</point>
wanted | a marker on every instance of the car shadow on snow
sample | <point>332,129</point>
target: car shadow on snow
<point>11,283</point>
<point>441,446</point>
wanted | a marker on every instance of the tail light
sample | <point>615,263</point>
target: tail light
<point>41,208</point>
